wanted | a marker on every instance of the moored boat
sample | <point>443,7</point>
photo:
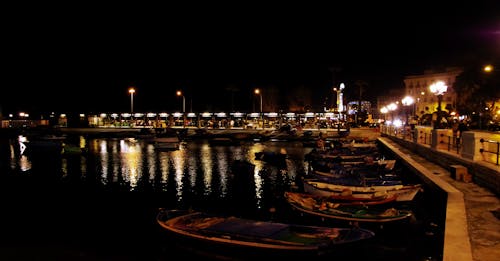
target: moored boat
<point>402,191</point>
<point>256,237</point>
<point>346,200</point>
<point>358,213</point>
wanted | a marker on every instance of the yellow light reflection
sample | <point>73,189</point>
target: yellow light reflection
<point>102,147</point>
<point>83,142</point>
<point>259,165</point>
<point>24,163</point>
<point>131,163</point>
<point>179,163</point>
<point>206,165</point>
<point>223,170</point>
<point>164,167</point>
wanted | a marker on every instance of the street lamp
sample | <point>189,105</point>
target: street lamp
<point>179,93</point>
<point>438,88</point>
<point>384,111</point>
<point>392,107</point>
<point>258,92</point>
<point>131,91</point>
<point>407,101</point>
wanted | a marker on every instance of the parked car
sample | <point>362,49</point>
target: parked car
<point>495,126</point>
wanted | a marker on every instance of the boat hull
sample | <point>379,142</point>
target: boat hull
<point>403,192</point>
<point>354,212</point>
<point>240,235</point>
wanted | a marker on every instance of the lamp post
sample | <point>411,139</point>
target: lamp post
<point>336,104</point>
<point>131,91</point>
<point>407,101</point>
<point>384,111</point>
<point>179,93</point>
<point>438,88</point>
<point>392,107</point>
<point>340,99</point>
<point>258,92</point>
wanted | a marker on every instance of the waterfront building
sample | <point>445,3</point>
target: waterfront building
<point>426,102</point>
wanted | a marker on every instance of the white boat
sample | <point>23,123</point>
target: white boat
<point>403,192</point>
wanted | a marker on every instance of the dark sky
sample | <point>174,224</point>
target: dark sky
<point>72,58</point>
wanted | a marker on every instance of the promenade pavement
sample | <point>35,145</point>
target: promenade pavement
<point>473,213</point>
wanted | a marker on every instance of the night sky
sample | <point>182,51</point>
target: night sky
<point>83,58</point>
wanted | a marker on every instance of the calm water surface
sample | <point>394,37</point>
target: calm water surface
<point>102,205</point>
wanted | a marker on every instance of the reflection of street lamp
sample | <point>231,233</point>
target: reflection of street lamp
<point>179,93</point>
<point>131,91</point>
<point>438,88</point>
<point>407,101</point>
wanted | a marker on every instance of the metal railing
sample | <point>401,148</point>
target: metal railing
<point>454,143</point>
<point>487,144</point>
<point>490,150</point>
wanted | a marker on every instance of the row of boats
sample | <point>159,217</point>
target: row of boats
<point>350,183</point>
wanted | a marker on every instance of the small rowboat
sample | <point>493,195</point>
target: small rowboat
<point>255,237</point>
<point>344,200</point>
<point>403,192</point>
<point>353,212</point>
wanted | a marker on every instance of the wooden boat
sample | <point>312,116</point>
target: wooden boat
<point>402,191</point>
<point>356,177</point>
<point>257,237</point>
<point>349,212</point>
<point>346,200</point>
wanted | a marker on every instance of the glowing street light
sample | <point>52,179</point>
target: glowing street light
<point>258,92</point>
<point>131,91</point>
<point>384,111</point>
<point>179,93</point>
<point>392,107</point>
<point>407,101</point>
<point>340,104</point>
<point>438,88</point>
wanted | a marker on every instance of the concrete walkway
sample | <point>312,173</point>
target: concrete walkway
<point>472,229</point>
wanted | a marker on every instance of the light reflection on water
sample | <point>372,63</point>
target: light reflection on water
<point>197,172</point>
<point>196,168</point>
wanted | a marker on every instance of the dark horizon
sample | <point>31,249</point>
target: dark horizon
<point>77,64</point>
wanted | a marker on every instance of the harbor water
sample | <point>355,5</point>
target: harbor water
<point>102,204</point>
